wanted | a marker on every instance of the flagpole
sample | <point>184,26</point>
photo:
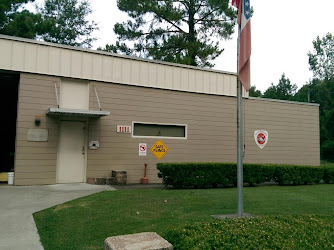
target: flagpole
<point>239,137</point>
<point>240,151</point>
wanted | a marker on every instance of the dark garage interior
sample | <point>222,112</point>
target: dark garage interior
<point>9,82</point>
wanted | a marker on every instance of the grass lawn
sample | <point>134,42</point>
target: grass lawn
<point>86,222</point>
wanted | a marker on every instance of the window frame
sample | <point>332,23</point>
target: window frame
<point>157,137</point>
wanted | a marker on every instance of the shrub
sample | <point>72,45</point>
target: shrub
<point>297,175</point>
<point>267,232</point>
<point>329,175</point>
<point>256,173</point>
<point>181,175</point>
<point>200,175</point>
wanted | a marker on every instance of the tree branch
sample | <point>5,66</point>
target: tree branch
<point>205,16</point>
<point>166,31</point>
<point>177,1</point>
<point>170,22</point>
<point>201,21</point>
<point>200,6</point>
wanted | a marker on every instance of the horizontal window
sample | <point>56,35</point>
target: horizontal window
<point>159,130</point>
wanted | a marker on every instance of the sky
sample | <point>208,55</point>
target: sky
<point>282,35</point>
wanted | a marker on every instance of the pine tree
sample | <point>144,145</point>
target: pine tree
<point>16,21</point>
<point>66,22</point>
<point>181,31</point>
<point>284,90</point>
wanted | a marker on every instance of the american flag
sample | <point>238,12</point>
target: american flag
<point>244,15</point>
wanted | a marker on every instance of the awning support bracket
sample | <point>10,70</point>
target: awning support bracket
<point>56,89</point>
<point>97,97</point>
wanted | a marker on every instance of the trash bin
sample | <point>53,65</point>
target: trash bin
<point>10,178</point>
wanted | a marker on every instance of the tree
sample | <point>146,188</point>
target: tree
<point>8,7</point>
<point>284,90</point>
<point>24,24</point>
<point>178,31</point>
<point>324,95</point>
<point>17,22</point>
<point>321,61</point>
<point>303,94</point>
<point>322,92</point>
<point>66,22</point>
<point>253,92</point>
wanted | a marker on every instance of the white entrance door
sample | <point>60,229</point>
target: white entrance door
<point>71,152</point>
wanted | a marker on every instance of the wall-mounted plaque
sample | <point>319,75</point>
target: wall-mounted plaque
<point>123,129</point>
<point>261,138</point>
<point>38,134</point>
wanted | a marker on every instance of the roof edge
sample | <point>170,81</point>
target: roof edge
<point>283,101</point>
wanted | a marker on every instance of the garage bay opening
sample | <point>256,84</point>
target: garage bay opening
<point>9,82</point>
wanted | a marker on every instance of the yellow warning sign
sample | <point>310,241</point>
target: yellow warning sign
<point>159,149</point>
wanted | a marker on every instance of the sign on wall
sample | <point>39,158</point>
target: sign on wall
<point>37,134</point>
<point>123,129</point>
<point>94,145</point>
<point>261,138</point>
<point>159,149</point>
<point>142,149</point>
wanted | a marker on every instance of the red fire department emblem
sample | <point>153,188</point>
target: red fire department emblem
<point>261,138</point>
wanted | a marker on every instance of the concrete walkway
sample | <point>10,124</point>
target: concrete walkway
<point>18,203</point>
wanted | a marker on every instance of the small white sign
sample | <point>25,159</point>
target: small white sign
<point>261,138</point>
<point>123,129</point>
<point>94,144</point>
<point>142,149</point>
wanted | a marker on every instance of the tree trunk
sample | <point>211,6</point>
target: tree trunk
<point>192,51</point>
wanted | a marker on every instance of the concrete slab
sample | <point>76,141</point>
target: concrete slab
<point>139,241</point>
<point>18,203</point>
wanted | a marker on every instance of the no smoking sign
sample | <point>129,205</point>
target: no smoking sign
<point>142,149</point>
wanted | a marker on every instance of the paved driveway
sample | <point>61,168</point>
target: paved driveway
<point>18,203</point>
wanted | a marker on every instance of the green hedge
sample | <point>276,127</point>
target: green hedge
<point>200,175</point>
<point>267,232</point>
<point>297,175</point>
<point>329,175</point>
<point>181,175</point>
